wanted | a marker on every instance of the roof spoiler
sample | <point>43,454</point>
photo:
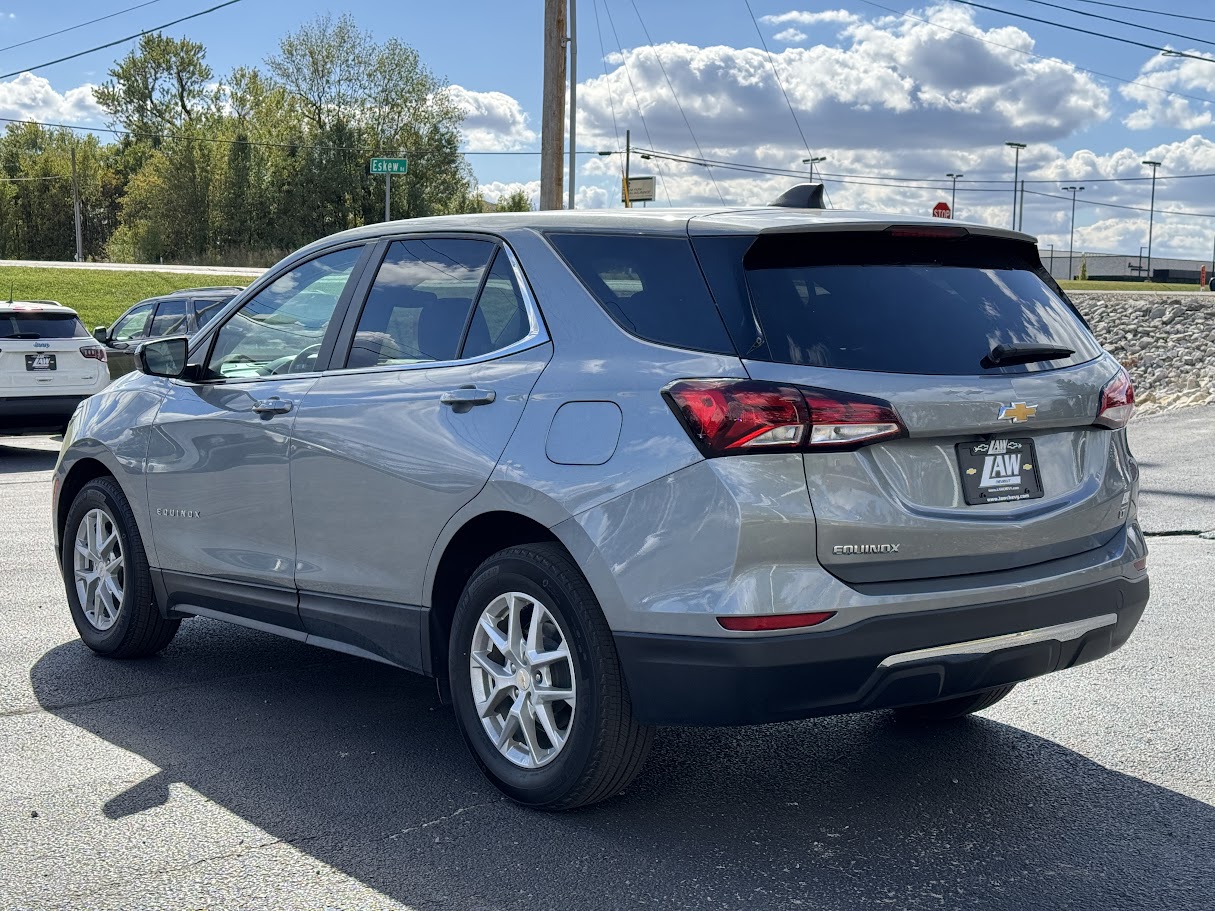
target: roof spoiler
<point>802,196</point>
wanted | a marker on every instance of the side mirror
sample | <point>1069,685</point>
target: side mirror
<point>163,357</point>
<point>102,334</point>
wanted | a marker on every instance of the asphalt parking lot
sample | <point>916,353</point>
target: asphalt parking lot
<point>238,770</point>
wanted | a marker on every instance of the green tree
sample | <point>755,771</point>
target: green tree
<point>515,201</point>
<point>162,84</point>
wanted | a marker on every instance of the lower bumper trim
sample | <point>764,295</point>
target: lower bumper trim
<point>882,662</point>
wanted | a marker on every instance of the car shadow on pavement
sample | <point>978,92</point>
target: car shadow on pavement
<point>17,459</point>
<point>359,766</point>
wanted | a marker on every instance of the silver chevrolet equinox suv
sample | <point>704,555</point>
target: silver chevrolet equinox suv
<point>597,472</point>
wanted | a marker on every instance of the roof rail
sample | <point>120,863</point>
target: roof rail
<point>205,289</point>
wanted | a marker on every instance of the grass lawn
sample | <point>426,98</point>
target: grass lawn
<point>1125,286</point>
<point>100,295</point>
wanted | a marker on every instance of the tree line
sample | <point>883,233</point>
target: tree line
<point>242,169</point>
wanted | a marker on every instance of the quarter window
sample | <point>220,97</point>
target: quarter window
<point>501,316</point>
<point>418,308</point>
<point>282,328</point>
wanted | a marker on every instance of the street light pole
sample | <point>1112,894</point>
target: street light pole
<point>1071,242</point>
<point>812,162</point>
<point>953,195</point>
<point>1151,216</point>
<point>1016,147</point>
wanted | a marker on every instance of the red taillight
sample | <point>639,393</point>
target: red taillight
<point>97,354</point>
<point>726,417</point>
<point>934,231</point>
<point>774,621</point>
<point>1117,402</point>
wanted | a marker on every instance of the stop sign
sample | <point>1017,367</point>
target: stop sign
<point>942,210</point>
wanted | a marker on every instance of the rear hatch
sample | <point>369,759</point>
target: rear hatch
<point>42,352</point>
<point>993,457</point>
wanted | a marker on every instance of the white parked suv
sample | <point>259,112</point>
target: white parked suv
<point>49,364</point>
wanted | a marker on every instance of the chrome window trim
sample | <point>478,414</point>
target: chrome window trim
<point>537,332</point>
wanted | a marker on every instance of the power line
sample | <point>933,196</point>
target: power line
<point>1153,12</point>
<point>1009,47</point>
<point>1084,31</point>
<point>674,95</point>
<point>624,62</point>
<point>102,47</point>
<point>72,28</point>
<point>1114,205</point>
<point>218,140</point>
<point>1135,25</point>
<point>606,78</point>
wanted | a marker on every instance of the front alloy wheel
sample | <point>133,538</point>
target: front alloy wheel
<point>523,679</point>
<point>100,568</point>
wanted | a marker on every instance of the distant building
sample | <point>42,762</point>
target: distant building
<point>1121,267</point>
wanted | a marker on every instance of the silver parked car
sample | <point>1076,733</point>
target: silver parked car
<point>597,472</point>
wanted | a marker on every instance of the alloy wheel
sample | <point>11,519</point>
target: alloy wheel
<point>99,568</point>
<point>523,679</point>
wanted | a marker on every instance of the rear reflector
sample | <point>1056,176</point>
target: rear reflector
<point>774,622</point>
<point>1117,401</point>
<point>729,417</point>
<point>97,354</point>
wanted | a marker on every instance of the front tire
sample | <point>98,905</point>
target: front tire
<point>106,575</point>
<point>536,684</point>
<point>953,709</point>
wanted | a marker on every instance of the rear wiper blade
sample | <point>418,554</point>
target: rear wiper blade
<point>1005,355</point>
<point>22,335</point>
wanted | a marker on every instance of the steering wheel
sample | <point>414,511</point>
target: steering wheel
<point>305,361</point>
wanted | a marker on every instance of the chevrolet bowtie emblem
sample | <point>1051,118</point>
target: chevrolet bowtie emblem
<point>1017,412</point>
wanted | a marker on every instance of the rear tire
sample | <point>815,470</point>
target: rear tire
<point>536,684</point>
<point>106,575</point>
<point>953,709</point>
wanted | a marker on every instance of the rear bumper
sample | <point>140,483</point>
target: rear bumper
<point>882,662</point>
<point>21,414</point>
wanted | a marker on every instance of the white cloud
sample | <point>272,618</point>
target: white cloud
<point>30,97</point>
<point>790,36</point>
<point>493,121</point>
<point>1176,74</point>
<point>796,17</point>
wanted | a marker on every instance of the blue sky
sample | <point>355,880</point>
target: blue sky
<point>913,93</point>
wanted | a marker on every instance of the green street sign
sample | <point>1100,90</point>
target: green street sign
<point>389,165</point>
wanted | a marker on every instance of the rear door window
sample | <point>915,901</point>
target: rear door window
<point>872,301</point>
<point>651,286</point>
<point>419,306</point>
<point>170,319</point>
<point>41,325</point>
<point>500,319</point>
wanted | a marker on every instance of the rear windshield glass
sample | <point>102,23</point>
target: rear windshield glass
<point>651,286</point>
<point>41,325</point>
<point>907,305</point>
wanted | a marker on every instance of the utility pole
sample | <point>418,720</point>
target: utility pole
<point>953,195</point>
<point>76,207</point>
<point>1151,216</point>
<point>1016,147</point>
<point>552,125</point>
<point>1071,242</point>
<point>628,155</point>
<point>573,38</point>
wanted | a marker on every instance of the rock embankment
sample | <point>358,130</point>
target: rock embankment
<point>1165,339</point>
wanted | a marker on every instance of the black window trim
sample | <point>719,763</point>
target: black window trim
<point>202,345</point>
<point>537,330</point>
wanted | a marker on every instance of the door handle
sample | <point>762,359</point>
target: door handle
<point>463,399</point>
<point>272,405</point>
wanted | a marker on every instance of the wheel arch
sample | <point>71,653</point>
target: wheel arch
<point>473,535</point>
<point>82,471</point>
